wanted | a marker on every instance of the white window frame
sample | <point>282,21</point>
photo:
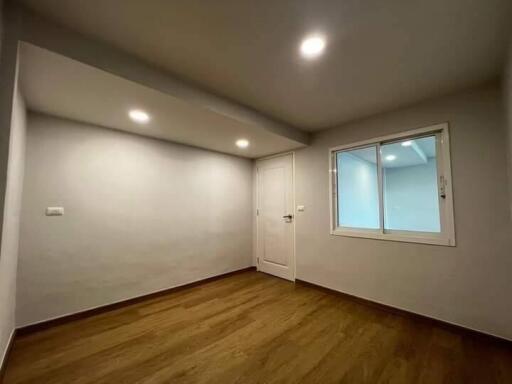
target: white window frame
<point>444,173</point>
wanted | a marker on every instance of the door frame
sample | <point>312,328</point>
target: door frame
<point>256,201</point>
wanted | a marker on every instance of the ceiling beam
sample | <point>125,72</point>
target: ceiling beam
<point>45,34</point>
<point>419,152</point>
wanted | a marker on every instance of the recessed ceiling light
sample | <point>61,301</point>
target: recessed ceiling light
<point>407,143</point>
<point>312,46</point>
<point>242,143</point>
<point>139,116</point>
<point>390,157</point>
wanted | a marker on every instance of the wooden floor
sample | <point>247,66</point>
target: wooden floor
<point>254,328</point>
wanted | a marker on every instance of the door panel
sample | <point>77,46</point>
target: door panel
<point>275,248</point>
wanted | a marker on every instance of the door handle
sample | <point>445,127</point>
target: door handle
<point>288,217</point>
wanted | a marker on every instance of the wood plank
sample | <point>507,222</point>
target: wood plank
<point>255,328</point>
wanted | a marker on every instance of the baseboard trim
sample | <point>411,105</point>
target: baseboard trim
<point>3,363</point>
<point>405,313</point>
<point>46,324</point>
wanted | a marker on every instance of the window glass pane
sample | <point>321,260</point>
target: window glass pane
<point>358,191</point>
<point>411,201</point>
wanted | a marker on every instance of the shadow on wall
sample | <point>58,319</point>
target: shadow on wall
<point>508,96</point>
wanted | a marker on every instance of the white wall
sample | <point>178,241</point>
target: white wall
<point>411,199</point>
<point>141,215</point>
<point>358,196</point>
<point>11,223</point>
<point>469,284</point>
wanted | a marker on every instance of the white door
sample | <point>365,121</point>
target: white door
<point>275,220</point>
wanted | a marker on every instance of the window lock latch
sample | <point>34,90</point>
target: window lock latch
<point>442,187</point>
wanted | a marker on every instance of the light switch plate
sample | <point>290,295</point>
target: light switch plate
<point>54,211</point>
<point>300,208</point>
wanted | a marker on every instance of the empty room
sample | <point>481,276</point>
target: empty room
<point>240,191</point>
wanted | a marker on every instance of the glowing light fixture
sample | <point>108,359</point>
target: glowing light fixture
<point>312,47</point>
<point>242,143</point>
<point>139,116</point>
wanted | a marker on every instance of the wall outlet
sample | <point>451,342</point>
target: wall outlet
<point>54,211</point>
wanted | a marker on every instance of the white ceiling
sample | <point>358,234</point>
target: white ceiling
<point>57,85</point>
<point>380,54</point>
<point>418,153</point>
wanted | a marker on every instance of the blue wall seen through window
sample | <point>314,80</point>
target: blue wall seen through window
<point>358,189</point>
<point>410,186</point>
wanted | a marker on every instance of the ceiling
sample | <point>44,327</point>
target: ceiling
<point>56,85</point>
<point>380,55</point>
<point>418,152</point>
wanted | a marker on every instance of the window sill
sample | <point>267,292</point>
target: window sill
<point>407,238</point>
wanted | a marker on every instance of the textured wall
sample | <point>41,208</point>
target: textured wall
<point>141,215</point>
<point>468,284</point>
<point>11,222</point>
